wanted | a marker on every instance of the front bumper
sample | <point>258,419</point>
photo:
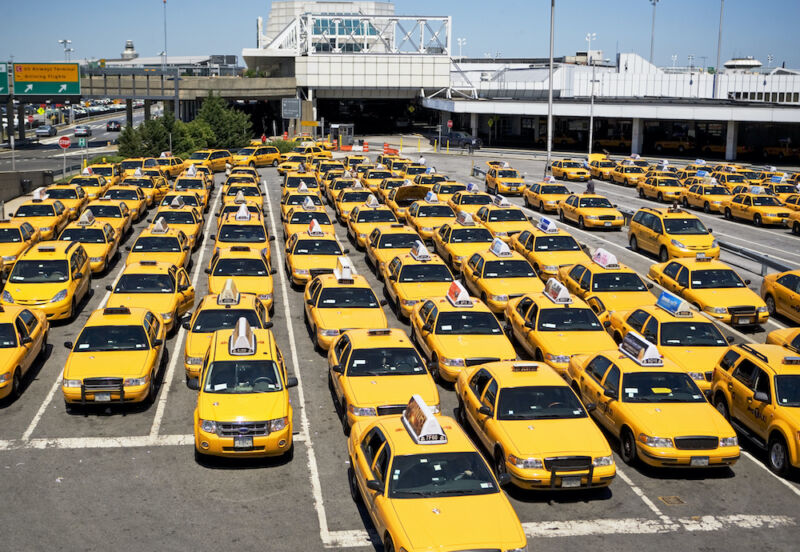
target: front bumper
<point>543,479</point>
<point>53,311</point>
<point>616,223</point>
<point>674,252</point>
<point>728,318</point>
<point>133,394</point>
<point>672,457</point>
<point>273,444</point>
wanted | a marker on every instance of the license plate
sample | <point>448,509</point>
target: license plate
<point>102,397</point>
<point>570,482</point>
<point>606,224</point>
<point>746,320</point>
<point>699,461</point>
<point>243,442</point>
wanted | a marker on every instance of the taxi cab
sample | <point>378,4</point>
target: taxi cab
<point>653,407</point>
<point>780,188</point>
<point>554,325</point>
<point>398,166</point>
<point>429,178</point>
<point>387,185</point>
<point>756,388</point>
<point>401,198</point>
<point>446,189</point>
<point>710,197</point>
<point>661,188</point>
<point>239,170</point>
<point>503,219</point>
<point>243,228</point>
<point>23,339</point>
<point>53,277</point>
<point>730,179</point>
<point>545,195</point>
<point>793,222</point>
<point>16,236</point>
<point>152,193</point>
<point>627,174</point>
<point>355,160</point>
<point>294,181</point>
<point>456,331</point>
<point>324,166</point>
<point>115,358</point>
<point>713,287</point>
<point>293,163</point>
<point>114,212</point>
<point>590,211</point>
<point>98,238</point>
<point>243,407</point>
<point>568,169</point>
<point>363,219</point>
<point>73,198</point>
<point>203,171</point>
<point>219,311</point>
<point>213,159</point>
<point>781,293</point>
<point>788,338</point>
<point>132,196</point>
<point>311,253</point>
<point>671,233</point>
<point>239,179</point>
<point>188,198</point>
<point>257,156</point>
<point>110,171</point>
<point>161,287</point>
<point>94,185</point>
<point>172,166</point>
<point>161,243</point>
<point>349,199</point>
<point>413,277</point>
<point>130,165</point>
<point>682,335</point>
<point>563,449</point>
<point>792,202</point>
<point>339,184</point>
<point>457,241</point>
<point>499,274</point>
<point>757,207</point>
<point>158,176</point>
<point>606,285</point>
<point>426,486</point>
<point>196,184</point>
<point>410,171</point>
<point>504,180</point>
<point>373,372</point>
<point>428,215</point>
<point>469,200</point>
<point>299,217</point>
<point>340,301</point>
<point>48,215</point>
<point>372,178</point>
<point>601,167</point>
<point>386,242</point>
<point>548,248</point>
<point>183,217</point>
<point>297,197</point>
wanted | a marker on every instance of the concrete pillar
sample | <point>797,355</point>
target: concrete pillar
<point>129,112</point>
<point>9,117</point>
<point>637,136</point>
<point>20,120</point>
<point>516,125</point>
<point>731,138</point>
<point>536,122</point>
<point>473,124</point>
<point>147,104</point>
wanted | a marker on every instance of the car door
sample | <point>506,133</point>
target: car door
<point>787,296</point>
<point>26,345</point>
<point>607,412</point>
<point>741,390</point>
<point>572,281</point>
<point>760,412</point>
<point>427,331</point>
<point>363,462</point>
<point>378,502</point>
<point>669,276</point>
<point>36,332</point>
<point>185,291</point>
<point>650,330</point>
<point>471,399</point>
<point>341,352</point>
<point>489,400</point>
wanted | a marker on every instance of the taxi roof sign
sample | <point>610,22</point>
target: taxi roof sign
<point>431,197</point>
<point>500,201</point>
<point>87,171</point>
<point>421,424</point>
<point>525,367</point>
<point>701,173</point>
<point>472,187</point>
<point>302,188</point>
<point>177,202</point>
<point>604,258</point>
<point>420,252</point>
<point>641,351</point>
<point>314,229</point>
<point>239,197</point>
<point>160,226</point>
<point>243,213</point>
<point>372,202</point>
<point>699,161</point>
<point>40,193</point>
<point>344,270</point>
<point>499,248</point>
<point>229,294</point>
<point>548,226</point>
<point>557,292</point>
<point>243,340</point>
<point>465,219</point>
<point>458,296</point>
<point>86,219</point>
<point>191,171</point>
<point>138,172</point>
<point>771,168</point>
<point>776,179</point>
<point>550,179</point>
<point>308,204</point>
<point>674,305</point>
<point>757,190</point>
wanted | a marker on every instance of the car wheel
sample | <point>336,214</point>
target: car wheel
<point>16,385</point>
<point>722,406</point>
<point>275,163</point>
<point>252,165</point>
<point>660,197</point>
<point>706,207</point>
<point>796,228</point>
<point>685,203</point>
<point>345,421</point>
<point>151,393</point>
<point>541,207</point>
<point>73,309</point>
<point>728,214</point>
<point>663,255</point>
<point>627,447</point>
<point>399,311</point>
<point>461,414</point>
<point>757,220</point>
<point>581,225</point>
<point>499,463</point>
<point>388,545</point>
<point>43,350</point>
<point>641,193</point>
<point>561,216</point>
<point>353,484</point>
<point>770,301</point>
<point>778,455</point>
<point>539,357</point>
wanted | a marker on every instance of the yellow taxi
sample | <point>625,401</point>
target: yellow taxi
<point>459,240</point>
<point>350,198</point>
<point>533,426</point>
<point>499,274</point>
<point>792,202</point>
<point>373,372</point>
<point>671,233</point>
<point>293,163</point>
<point>788,338</point>
<point>363,219</point>
<point>398,166</point>
<point>153,194</point>
<point>600,166</point>
<point>682,335</point>
<point>504,180</point>
<point>590,211</point>
<point>130,165</point>
<point>299,196</point>
<point>606,285</point>
<point>98,238</point>
<point>548,248</point>
<point>219,311</point>
<point>653,407</point>
<point>456,331</point>
<point>661,188</point>
<point>372,178</point>
<point>756,206</point>
<point>766,174</point>
<point>756,388</point>
<point>354,160</point>
<point>243,407</point>
<point>324,166</point>
<point>132,196</point>
<point>426,486</point>
<point>299,217</point>
<point>311,253</point>
<point>294,181</point>
<point>73,197</point>
<point>781,293</point>
<point>16,236</point>
<point>93,184</point>
<point>159,177</point>
<point>340,301</point>
<point>115,358</point>
<point>188,198</point>
<point>110,171</point>
<point>412,170</point>
<point>712,287</point>
<point>336,185</point>
<point>183,217</point>
<point>793,222</point>
<point>413,277</point>
<point>729,180</point>
<point>428,215</point>
<point>239,179</point>
<point>470,200</point>
<point>243,228</point>
<point>554,325</point>
<point>627,174</point>
<point>545,195</point>
<point>114,212</point>
<point>429,179</point>
<point>196,184</point>
<point>780,188</point>
<point>387,185</point>
<point>386,242</point>
<point>170,165</point>
<point>200,170</point>
<point>48,215</point>
<point>568,169</point>
<point>245,170</point>
<point>161,243</point>
<point>257,156</point>
<point>503,219</point>
<point>23,339</point>
<point>215,160</point>
<point>710,197</point>
<point>401,198</point>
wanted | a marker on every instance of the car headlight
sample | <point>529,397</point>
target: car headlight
<point>714,243</point>
<point>501,234</point>
<point>277,424</point>
<point>603,461</point>
<point>5,377</point>
<point>716,202</point>
<point>9,258</point>
<point>209,426</point>
<point>498,297</point>
<point>699,376</point>
<point>135,382</point>
<point>458,258</point>
<point>551,202</point>
<point>60,296</point>
<point>328,332</point>
<point>427,229</point>
<point>265,296</point>
<point>362,410</point>
<point>729,442</point>
<point>46,228</point>
<point>362,236</point>
<point>656,442</point>
<point>96,259</point>
<point>7,297</point>
<point>71,383</point>
<point>192,360</point>
<point>452,361</point>
<point>409,302</point>
<point>678,244</point>
<point>592,217</point>
<point>762,308</point>
<point>167,316</point>
<point>550,268</point>
<point>556,358</point>
<point>525,463</point>
<point>716,310</point>
<point>301,271</point>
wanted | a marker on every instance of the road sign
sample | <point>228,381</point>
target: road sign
<point>81,142</point>
<point>309,123</point>
<point>290,108</point>
<point>40,111</point>
<point>449,123</point>
<point>64,142</point>
<point>47,79</point>
<point>4,85</point>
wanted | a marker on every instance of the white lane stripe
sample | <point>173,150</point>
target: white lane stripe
<point>588,527</point>
<point>640,493</point>
<point>105,442</point>
<point>782,481</point>
<point>177,349</point>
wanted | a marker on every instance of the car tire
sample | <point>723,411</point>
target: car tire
<point>461,414</point>
<point>345,421</point>
<point>43,350</point>
<point>526,202</point>
<point>770,301</point>
<point>151,393</point>
<point>685,203</point>
<point>627,447</point>
<point>561,216</point>
<point>16,385</point>
<point>796,228</point>
<point>353,484</point>
<point>706,207</point>
<point>388,545</point>
<point>73,309</point>
<point>778,455</point>
<point>728,214</point>
<point>660,197</point>
<point>722,406</point>
<point>541,207</point>
<point>275,163</point>
<point>581,224</point>
<point>757,220</point>
<point>663,254</point>
<point>499,463</point>
<point>641,193</point>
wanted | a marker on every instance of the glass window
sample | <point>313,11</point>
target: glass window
<point>440,474</point>
<point>39,272</point>
<point>745,372</point>
<point>240,267</point>
<point>347,298</point>
<point>637,320</point>
<point>597,367</point>
<point>571,319</point>
<point>387,361</point>
<point>242,376</point>
<point>660,387</point>
<point>145,283</point>
<point>111,338</point>
<point>211,320</point>
<point>538,403</point>
<point>468,323</point>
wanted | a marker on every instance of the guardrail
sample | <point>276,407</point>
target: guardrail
<point>477,171</point>
<point>765,260</point>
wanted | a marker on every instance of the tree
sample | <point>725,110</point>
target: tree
<point>231,128</point>
<point>154,136</point>
<point>130,142</point>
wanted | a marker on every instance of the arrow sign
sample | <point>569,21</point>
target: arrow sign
<point>62,88</point>
<point>46,79</point>
<point>29,88</point>
<point>1,89</point>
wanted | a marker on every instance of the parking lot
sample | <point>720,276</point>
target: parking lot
<point>127,477</point>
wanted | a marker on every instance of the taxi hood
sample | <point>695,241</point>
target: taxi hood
<point>411,193</point>
<point>467,346</point>
<point>352,318</point>
<point>423,290</point>
<point>157,302</point>
<point>122,364</point>
<point>42,292</point>
<point>538,438</point>
<point>257,285</point>
<point>242,407</point>
<point>694,359</point>
<point>678,419</point>
<point>388,390</point>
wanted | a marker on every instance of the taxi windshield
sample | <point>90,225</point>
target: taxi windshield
<point>737,178</point>
<point>391,184</point>
<point>787,390</point>
<point>596,202</point>
<point>429,178</point>
<point>562,190</point>
<point>347,298</point>
<point>305,217</point>
<point>111,338</point>
<point>430,211</point>
<point>385,361</point>
<point>242,376</point>
<point>376,215</point>
<point>716,190</point>
<point>425,273</point>
<point>571,165</point>
<point>141,182</point>
<point>83,235</point>
<point>660,387</point>
<point>354,197</point>
<point>187,199</point>
<point>378,174</point>
<point>240,179</point>
<point>633,170</point>
<point>749,175</point>
<point>691,334</point>
<point>106,211</point>
<point>506,173</point>
<point>556,243</point>
<point>189,184</point>
<point>604,164</point>
<point>176,217</point>
<point>250,191</point>
<point>687,226</point>
<point>8,337</point>
<point>86,182</point>
<point>341,184</point>
<point>211,320</point>
<point>132,165</point>
<point>298,199</point>
<point>103,171</point>
<point>36,210</point>
<point>778,189</point>
<point>242,233</point>
<point>539,402</point>
<point>240,267</point>
<point>10,235</point>
<point>515,268</point>
<point>617,281</point>
<point>246,151</point>
<point>450,188</point>
<point>121,194</point>
<point>761,201</point>
<point>507,215</point>
<point>319,247</point>
<point>475,199</point>
<point>468,323</point>
<point>297,159</point>
<point>471,235</point>
<point>145,283</point>
<point>156,244</point>
<point>415,170</point>
<point>295,181</point>
<point>200,155</point>
<point>62,193</point>
<point>398,241</point>
<point>39,272</point>
<point>716,278</point>
<point>561,319</point>
<point>440,474</point>
<point>671,182</point>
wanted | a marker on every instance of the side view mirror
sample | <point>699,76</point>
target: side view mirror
<point>427,328</point>
<point>530,325</point>
<point>68,344</point>
<point>272,238</point>
<point>375,485</point>
<point>384,302</point>
<point>273,271</point>
<point>485,410</point>
<point>186,248</point>
<point>127,248</point>
<point>504,479</point>
<point>158,343</point>
<point>590,407</point>
<point>26,340</point>
<point>193,384</point>
<point>150,221</point>
<point>649,285</point>
<point>730,339</point>
<point>747,282</point>
<point>286,249</point>
<point>268,324</point>
<point>109,287</point>
<point>610,393</point>
<point>291,382</point>
<point>346,251</point>
<point>207,270</point>
<point>760,396</point>
<point>186,325</point>
<point>710,231</point>
<point>338,368</point>
<point>393,277</point>
<point>310,302</point>
<point>607,324</point>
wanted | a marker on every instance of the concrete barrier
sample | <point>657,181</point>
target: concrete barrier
<point>13,184</point>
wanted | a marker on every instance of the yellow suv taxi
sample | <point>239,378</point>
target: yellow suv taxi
<point>671,233</point>
<point>213,159</point>
<point>781,293</point>
<point>23,339</point>
<point>48,215</point>
<point>98,238</point>
<point>413,277</point>
<point>248,267</point>
<point>257,156</point>
<point>548,248</point>
<point>161,243</point>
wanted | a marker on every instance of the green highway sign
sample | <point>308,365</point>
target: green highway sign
<point>47,79</point>
<point>4,87</point>
<point>81,142</point>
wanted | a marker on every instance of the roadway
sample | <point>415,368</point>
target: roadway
<point>128,478</point>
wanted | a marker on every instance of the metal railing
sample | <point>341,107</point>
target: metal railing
<point>765,261</point>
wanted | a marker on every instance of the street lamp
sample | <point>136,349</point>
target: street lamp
<point>674,59</point>
<point>461,42</point>
<point>719,46</point>
<point>550,92</point>
<point>164,63</point>
<point>653,30</point>
<point>163,56</point>
<point>589,59</point>
<point>65,42</point>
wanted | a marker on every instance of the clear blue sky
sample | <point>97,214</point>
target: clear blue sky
<point>514,28</point>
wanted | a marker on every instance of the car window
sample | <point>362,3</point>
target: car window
<point>479,381</point>
<point>745,372</point>
<point>762,382</point>
<point>371,444</point>
<point>683,277</point>
<point>637,320</point>
<point>612,380</point>
<point>671,270</point>
<point>490,395</point>
<point>598,367</point>
<point>650,332</point>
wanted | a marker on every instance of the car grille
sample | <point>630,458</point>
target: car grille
<point>696,443</point>
<point>235,429</point>
<point>320,271</point>
<point>568,463</point>
<point>745,309</point>
<point>391,409</point>
<point>607,217</point>
<point>479,360</point>
<point>102,384</point>
<point>697,247</point>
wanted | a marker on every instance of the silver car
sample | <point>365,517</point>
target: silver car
<point>46,130</point>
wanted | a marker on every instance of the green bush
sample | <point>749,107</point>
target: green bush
<point>284,146</point>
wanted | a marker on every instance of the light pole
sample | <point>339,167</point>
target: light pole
<point>653,30</point>
<point>65,42</point>
<point>691,73</point>
<point>461,42</point>
<point>589,38</point>
<point>674,59</point>
<point>164,63</point>
<point>550,92</point>
<point>770,59</point>
<point>719,47</point>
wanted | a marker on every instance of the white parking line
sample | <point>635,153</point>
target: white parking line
<point>640,493</point>
<point>761,465</point>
